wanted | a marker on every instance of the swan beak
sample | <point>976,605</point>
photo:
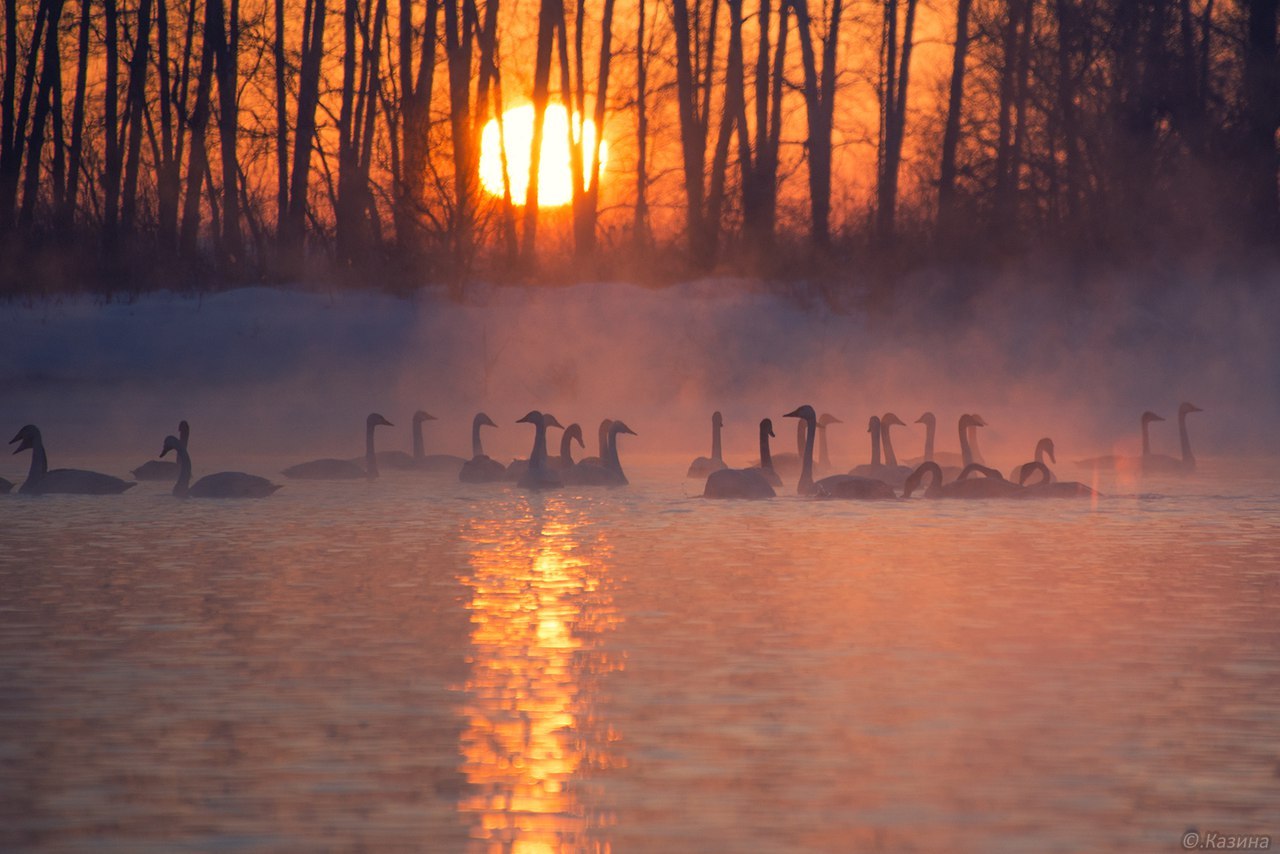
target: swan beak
<point>531,418</point>
<point>1191,407</point>
<point>771,436</point>
<point>486,420</point>
<point>423,416</point>
<point>165,450</point>
<point>921,420</point>
<point>795,413</point>
<point>978,420</point>
<point>551,421</point>
<point>26,443</point>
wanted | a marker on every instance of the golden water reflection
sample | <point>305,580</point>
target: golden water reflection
<point>541,607</point>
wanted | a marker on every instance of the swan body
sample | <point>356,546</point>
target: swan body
<point>606,473</point>
<point>419,461</point>
<point>481,468</point>
<point>41,480</point>
<point>837,485</point>
<point>163,469</point>
<point>516,469</point>
<point>224,484</point>
<point>991,485</point>
<point>332,469</point>
<point>703,466</point>
<point>6,486</point>
<point>538,473</point>
<point>755,482</point>
<point>1044,448</point>
<point>1045,488</point>
<point>1164,464</point>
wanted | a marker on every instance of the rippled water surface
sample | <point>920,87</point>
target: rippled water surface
<point>416,664</point>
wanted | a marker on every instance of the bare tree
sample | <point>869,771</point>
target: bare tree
<point>820,98</point>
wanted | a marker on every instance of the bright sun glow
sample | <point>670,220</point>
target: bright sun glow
<point>555,182</point>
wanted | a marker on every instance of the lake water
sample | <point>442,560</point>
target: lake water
<point>417,664</point>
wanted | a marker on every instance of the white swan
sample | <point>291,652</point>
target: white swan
<point>572,433</point>
<point>516,469</point>
<point>606,473</point>
<point>755,482</point>
<point>538,473</point>
<point>332,469</point>
<point>788,464</point>
<point>1044,448</point>
<point>1115,461</point>
<point>41,480</point>
<point>1046,488</point>
<point>837,485</point>
<point>418,460</point>
<point>224,484</point>
<point>481,468</point>
<point>1164,464</point>
<point>703,466</point>
<point>887,471</point>
<point>163,469</point>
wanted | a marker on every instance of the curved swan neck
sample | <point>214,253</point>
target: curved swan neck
<point>370,458</point>
<point>766,459</point>
<point>890,457</point>
<point>39,461</point>
<point>566,448</point>
<point>602,437</point>
<point>477,450</point>
<point>181,488</point>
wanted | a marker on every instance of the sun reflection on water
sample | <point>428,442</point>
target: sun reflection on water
<point>540,606</point>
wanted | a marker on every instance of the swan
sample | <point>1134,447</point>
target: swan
<point>481,468</point>
<point>606,473</point>
<point>1113,461</point>
<point>1162,463</point>
<point>991,485</point>
<point>755,482</point>
<point>1046,488</point>
<point>703,466</point>
<point>6,486</point>
<point>538,472</point>
<point>41,480</point>
<point>787,463</point>
<point>1044,448</point>
<point>823,464</point>
<point>163,469</point>
<point>872,468</point>
<point>949,461</point>
<point>836,485</point>
<point>331,469</point>
<point>572,433</point>
<point>602,437</point>
<point>888,471</point>
<point>420,461</point>
<point>516,469</point>
<point>224,484</point>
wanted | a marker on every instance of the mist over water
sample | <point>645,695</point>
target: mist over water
<point>277,371</point>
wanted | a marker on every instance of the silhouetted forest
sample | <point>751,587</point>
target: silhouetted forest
<point>170,143</point>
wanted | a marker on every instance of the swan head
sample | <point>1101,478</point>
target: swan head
<point>873,424</point>
<point>804,412</point>
<point>574,433</point>
<point>1188,407</point>
<point>171,443</point>
<point>482,420</point>
<point>913,479</point>
<point>1046,445</point>
<point>619,427</point>
<point>766,428</point>
<point>967,421</point>
<point>1149,416</point>
<point>28,436</point>
<point>891,420</point>
<point>184,431</point>
<point>376,420</point>
<point>827,418</point>
<point>927,418</point>
<point>420,416</point>
<point>978,420</point>
<point>550,420</point>
<point>717,420</point>
<point>533,417</point>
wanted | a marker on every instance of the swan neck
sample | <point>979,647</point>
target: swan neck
<point>611,458</point>
<point>184,473</point>
<point>966,453</point>
<point>1146,438</point>
<point>477,450</point>
<point>602,439</point>
<point>1187,457</point>
<point>800,438</point>
<point>418,452</point>
<point>39,463</point>
<point>822,447</point>
<point>805,486</point>
<point>566,449</point>
<point>875,445</point>
<point>716,453</point>
<point>538,456</point>
<point>766,459</point>
<point>929,429</point>
<point>890,457</point>
<point>370,458</point>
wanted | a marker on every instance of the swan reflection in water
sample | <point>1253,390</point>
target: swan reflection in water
<point>540,606</point>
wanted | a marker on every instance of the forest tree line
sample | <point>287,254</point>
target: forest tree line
<point>277,139</point>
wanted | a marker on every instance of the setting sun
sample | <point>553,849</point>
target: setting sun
<point>555,183</point>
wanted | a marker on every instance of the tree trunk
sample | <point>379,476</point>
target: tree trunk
<point>1262,106</point>
<point>692,137</point>
<point>113,162</point>
<point>44,101</point>
<point>293,234</point>
<point>415,123</point>
<point>819,95</point>
<point>895,127</point>
<point>640,221</point>
<point>66,216</point>
<point>460,29</point>
<point>135,105</point>
<point>955,109</point>
<point>198,160</point>
<point>550,12</point>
